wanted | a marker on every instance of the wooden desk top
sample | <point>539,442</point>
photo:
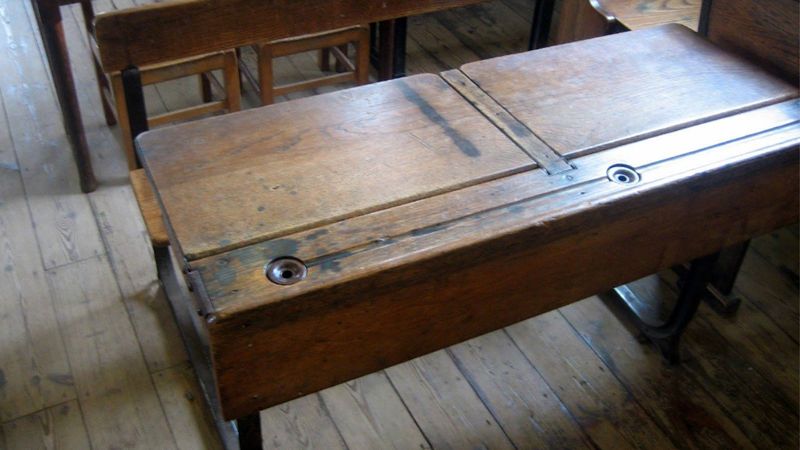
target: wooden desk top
<point>248,177</point>
<point>587,96</point>
<point>422,224</point>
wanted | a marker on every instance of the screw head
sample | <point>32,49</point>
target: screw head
<point>623,174</point>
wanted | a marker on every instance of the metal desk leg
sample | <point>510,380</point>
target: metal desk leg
<point>666,335</point>
<point>51,28</point>
<point>540,24</point>
<point>134,99</point>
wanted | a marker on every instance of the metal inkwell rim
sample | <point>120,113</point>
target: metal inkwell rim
<point>285,270</point>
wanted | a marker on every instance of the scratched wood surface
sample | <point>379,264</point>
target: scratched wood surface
<point>665,77</point>
<point>388,144</point>
<point>529,410</point>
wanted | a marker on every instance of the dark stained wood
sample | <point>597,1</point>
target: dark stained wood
<point>138,36</point>
<point>51,28</point>
<point>765,31</point>
<point>387,144</point>
<point>666,77</point>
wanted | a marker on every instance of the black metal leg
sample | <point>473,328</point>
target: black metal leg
<point>666,334</point>
<point>134,98</point>
<point>249,428</point>
<point>540,24</point>
<point>399,56</point>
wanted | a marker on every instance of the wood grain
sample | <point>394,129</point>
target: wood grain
<point>57,427</point>
<point>391,143</point>
<point>34,371</point>
<point>303,423</point>
<point>139,37</point>
<point>597,400</point>
<point>118,400</point>
<point>118,219</point>
<point>185,408</point>
<point>676,403</point>
<point>445,407</point>
<point>370,414</point>
<point>764,31</point>
<point>640,14</point>
<point>645,82</point>
<point>530,411</point>
<point>64,226</point>
<point>417,309</point>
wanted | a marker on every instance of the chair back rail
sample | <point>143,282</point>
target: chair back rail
<point>166,31</point>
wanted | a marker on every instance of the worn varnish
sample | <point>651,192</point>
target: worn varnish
<point>359,198</point>
<point>665,78</point>
<point>389,144</point>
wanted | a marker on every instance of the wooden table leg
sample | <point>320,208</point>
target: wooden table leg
<point>51,28</point>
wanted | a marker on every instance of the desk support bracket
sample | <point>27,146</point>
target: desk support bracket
<point>666,334</point>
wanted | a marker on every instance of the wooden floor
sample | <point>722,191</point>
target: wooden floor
<point>90,358</point>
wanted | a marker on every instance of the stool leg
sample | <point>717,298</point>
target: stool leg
<point>233,87</point>
<point>324,59</point>
<point>265,74</point>
<point>362,57</point>
<point>205,88</point>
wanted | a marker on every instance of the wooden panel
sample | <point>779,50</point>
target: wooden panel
<point>148,205</point>
<point>57,427</point>
<point>765,31</point>
<point>387,144</point>
<point>428,287</point>
<point>641,83</point>
<point>141,37</point>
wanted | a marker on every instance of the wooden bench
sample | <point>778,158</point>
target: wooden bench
<point>148,205</point>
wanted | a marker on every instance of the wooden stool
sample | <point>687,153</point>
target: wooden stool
<point>330,42</point>
<point>201,65</point>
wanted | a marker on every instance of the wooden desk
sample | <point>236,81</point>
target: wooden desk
<point>433,209</point>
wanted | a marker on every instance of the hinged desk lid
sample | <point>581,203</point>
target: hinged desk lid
<point>242,178</point>
<point>589,95</point>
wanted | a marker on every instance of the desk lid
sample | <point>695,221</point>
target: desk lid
<point>590,95</point>
<point>242,178</point>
